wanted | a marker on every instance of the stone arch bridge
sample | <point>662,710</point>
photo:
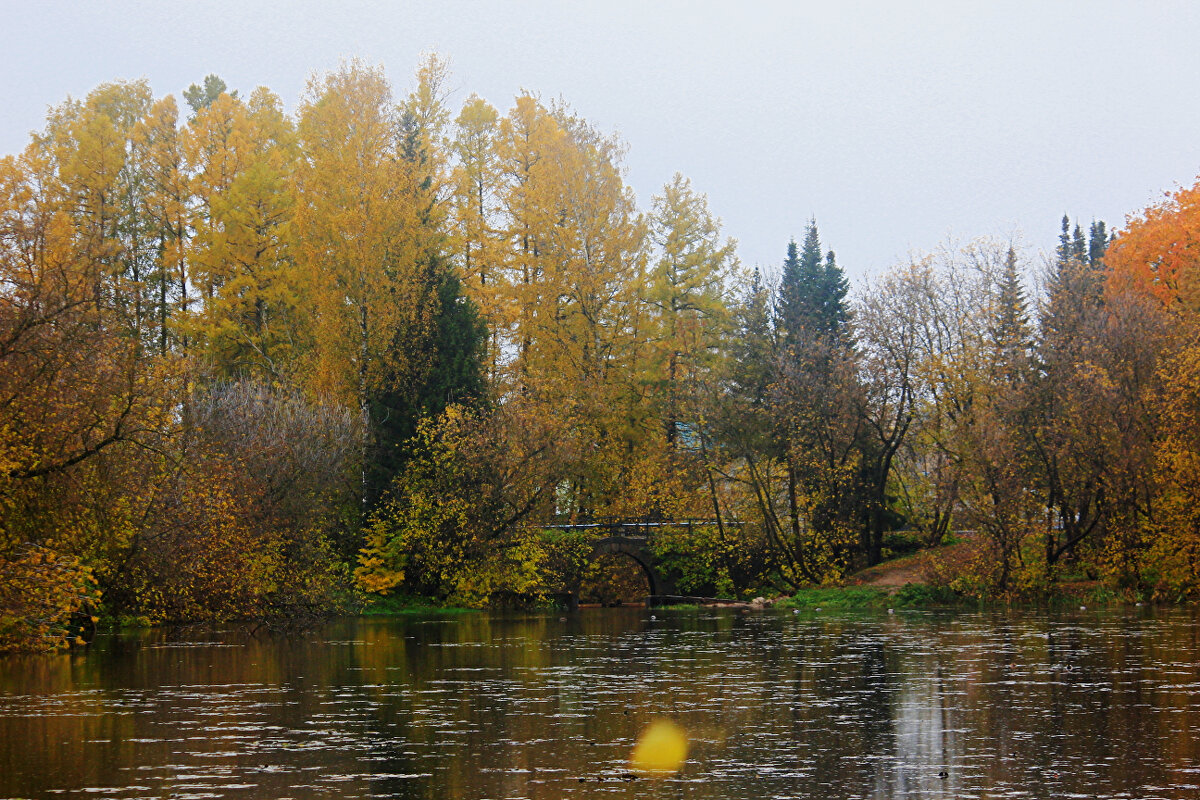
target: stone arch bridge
<point>634,538</point>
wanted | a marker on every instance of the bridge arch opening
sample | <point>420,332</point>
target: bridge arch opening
<point>611,579</point>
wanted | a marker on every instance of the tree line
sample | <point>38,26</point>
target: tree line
<point>255,364</point>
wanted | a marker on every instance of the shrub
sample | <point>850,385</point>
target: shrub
<point>42,592</point>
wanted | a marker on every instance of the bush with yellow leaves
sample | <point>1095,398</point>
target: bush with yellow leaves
<point>41,591</point>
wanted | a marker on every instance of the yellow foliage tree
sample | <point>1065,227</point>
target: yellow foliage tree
<point>362,237</point>
<point>462,521</point>
<point>1173,559</point>
<point>686,291</point>
<point>241,157</point>
<point>475,238</point>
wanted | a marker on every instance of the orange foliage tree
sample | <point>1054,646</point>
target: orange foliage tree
<point>1159,250</point>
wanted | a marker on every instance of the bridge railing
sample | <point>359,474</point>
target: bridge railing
<point>628,525</point>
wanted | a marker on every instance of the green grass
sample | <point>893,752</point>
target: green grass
<point>123,622</point>
<point>921,595</point>
<point>394,605</point>
<point>854,597</point>
<point>872,597</point>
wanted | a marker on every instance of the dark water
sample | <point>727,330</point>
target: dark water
<point>777,705</point>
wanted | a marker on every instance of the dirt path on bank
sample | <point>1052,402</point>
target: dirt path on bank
<point>899,572</point>
<point>893,574</point>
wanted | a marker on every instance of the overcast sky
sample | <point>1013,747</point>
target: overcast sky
<point>895,125</point>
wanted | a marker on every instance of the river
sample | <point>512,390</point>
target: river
<point>776,704</point>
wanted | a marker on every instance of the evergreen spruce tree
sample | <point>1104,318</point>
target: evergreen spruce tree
<point>790,305</point>
<point>814,400</point>
<point>1064,249</point>
<point>1012,313</point>
<point>1098,240</point>
<point>455,374</point>
<point>441,358</point>
<point>1079,246</point>
<point>812,294</point>
<point>753,348</point>
<point>810,253</point>
<point>834,288</point>
<point>1010,324</point>
<point>1073,487</point>
<point>1075,283</point>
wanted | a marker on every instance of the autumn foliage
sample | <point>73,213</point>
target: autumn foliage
<point>256,365</point>
<point>1159,252</point>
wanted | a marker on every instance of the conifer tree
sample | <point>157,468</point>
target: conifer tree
<point>686,289</point>
<point>454,376</point>
<point>475,217</point>
<point>1063,250</point>
<point>1074,286</point>
<point>160,157</point>
<point>241,156</point>
<point>834,288</point>
<point>787,315</point>
<point>1071,467</point>
<point>813,402</point>
<point>1079,245</point>
<point>812,293</point>
<point>753,349</point>
<point>434,359</point>
<point>1011,319</point>
<point>1097,242</point>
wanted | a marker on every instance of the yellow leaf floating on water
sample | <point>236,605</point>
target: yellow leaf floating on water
<point>660,750</point>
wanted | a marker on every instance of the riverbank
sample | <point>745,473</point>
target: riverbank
<point>400,605</point>
<point>851,597</point>
<point>848,597</point>
<point>1067,595</point>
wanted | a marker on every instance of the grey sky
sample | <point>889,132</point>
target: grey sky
<point>896,125</point>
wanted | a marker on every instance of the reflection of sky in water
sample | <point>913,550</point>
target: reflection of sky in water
<point>912,705</point>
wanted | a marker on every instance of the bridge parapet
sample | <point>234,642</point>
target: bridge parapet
<point>645,526</point>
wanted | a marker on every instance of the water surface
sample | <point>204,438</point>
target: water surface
<point>777,705</point>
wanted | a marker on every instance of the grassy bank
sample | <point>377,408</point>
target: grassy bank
<point>1063,596</point>
<point>868,597</point>
<point>396,605</point>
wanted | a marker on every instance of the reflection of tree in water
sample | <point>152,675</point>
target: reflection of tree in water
<point>613,579</point>
<point>854,685</point>
<point>927,750</point>
<point>875,729</point>
<point>544,705</point>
